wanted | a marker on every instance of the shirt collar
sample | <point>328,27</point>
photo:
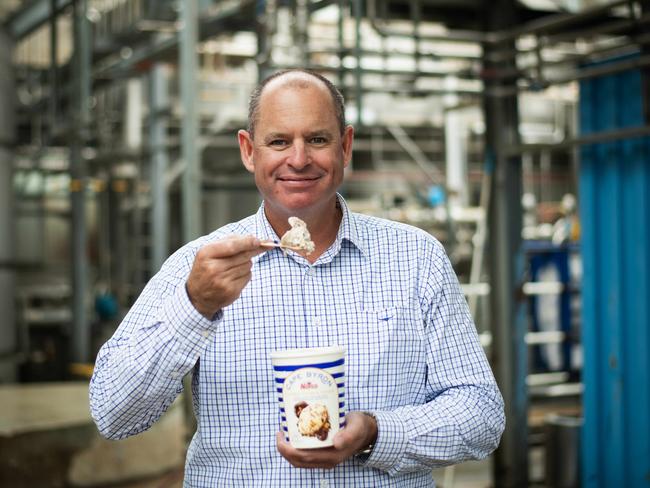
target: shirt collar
<point>347,230</point>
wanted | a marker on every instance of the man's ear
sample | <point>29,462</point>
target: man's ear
<point>348,136</point>
<point>246,149</point>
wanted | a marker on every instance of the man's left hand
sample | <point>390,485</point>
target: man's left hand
<point>359,432</point>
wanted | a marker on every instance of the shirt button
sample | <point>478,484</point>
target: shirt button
<point>317,322</point>
<point>205,334</point>
<point>324,483</point>
<point>311,271</point>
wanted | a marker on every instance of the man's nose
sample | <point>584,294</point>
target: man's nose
<point>299,156</point>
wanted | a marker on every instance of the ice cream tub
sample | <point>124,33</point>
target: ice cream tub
<point>310,385</point>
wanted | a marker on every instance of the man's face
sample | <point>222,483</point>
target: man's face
<point>298,153</point>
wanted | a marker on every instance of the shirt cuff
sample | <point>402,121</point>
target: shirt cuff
<point>391,442</point>
<point>186,323</point>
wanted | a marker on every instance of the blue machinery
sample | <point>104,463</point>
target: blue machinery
<point>615,214</point>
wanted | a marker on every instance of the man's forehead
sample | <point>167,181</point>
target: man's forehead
<point>294,83</point>
<point>296,79</point>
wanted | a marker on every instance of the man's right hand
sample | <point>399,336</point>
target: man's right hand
<point>220,272</point>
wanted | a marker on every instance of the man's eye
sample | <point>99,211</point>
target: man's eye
<point>318,140</point>
<point>277,142</point>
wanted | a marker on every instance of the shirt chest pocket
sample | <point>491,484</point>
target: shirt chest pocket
<point>371,337</point>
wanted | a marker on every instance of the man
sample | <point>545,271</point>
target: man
<point>419,390</point>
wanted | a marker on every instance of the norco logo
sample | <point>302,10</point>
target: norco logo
<point>308,386</point>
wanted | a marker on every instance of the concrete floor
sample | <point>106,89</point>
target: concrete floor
<point>49,425</point>
<point>472,474</point>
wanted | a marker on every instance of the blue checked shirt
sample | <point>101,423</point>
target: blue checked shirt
<point>384,290</point>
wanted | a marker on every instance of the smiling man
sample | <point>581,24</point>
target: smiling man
<point>419,390</point>
<point>297,147</point>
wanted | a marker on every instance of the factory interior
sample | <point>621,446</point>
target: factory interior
<point>516,132</point>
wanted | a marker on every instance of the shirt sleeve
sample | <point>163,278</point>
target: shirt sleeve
<point>138,372</point>
<point>463,417</point>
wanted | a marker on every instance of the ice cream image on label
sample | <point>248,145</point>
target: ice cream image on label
<point>313,420</point>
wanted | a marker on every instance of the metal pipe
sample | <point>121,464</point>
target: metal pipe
<point>166,47</point>
<point>569,60</point>
<point>191,194</point>
<point>456,132</point>
<point>387,72</point>
<point>508,324</point>
<point>8,327</point>
<point>429,169</point>
<point>78,180</point>
<point>34,14</point>
<point>584,140</point>
<point>480,237</point>
<point>572,59</point>
<point>554,22</point>
<point>617,27</point>
<point>266,12</point>
<point>500,91</point>
<point>383,53</point>
<point>158,106</point>
<point>645,72</point>
<point>341,44</point>
<point>53,73</point>
<point>416,15</point>
<point>302,30</point>
<point>358,93</point>
<point>104,233</point>
<point>132,125</point>
<point>449,36</point>
<point>191,180</point>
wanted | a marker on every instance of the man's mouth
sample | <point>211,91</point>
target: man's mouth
<point>298,179</point>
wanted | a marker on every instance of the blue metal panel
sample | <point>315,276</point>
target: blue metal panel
<point>615,215</point>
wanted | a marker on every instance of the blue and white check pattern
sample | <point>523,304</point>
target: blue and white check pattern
<point>384,290</point>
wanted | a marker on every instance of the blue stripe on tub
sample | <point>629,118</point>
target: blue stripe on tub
<point>331,364</point>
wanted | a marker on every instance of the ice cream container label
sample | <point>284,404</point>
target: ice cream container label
<point>310,408</point>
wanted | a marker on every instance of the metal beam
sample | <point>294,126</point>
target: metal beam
<point>32,16</point>
<point>8,337</point>
<point>583,140</point>
<point>78,181</point>
<point>158,106</point>
<point>509,353</point>
<point>191,178</point>
<point>230,18</point>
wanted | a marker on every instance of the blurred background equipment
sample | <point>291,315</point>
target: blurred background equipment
<point>515,131</point>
